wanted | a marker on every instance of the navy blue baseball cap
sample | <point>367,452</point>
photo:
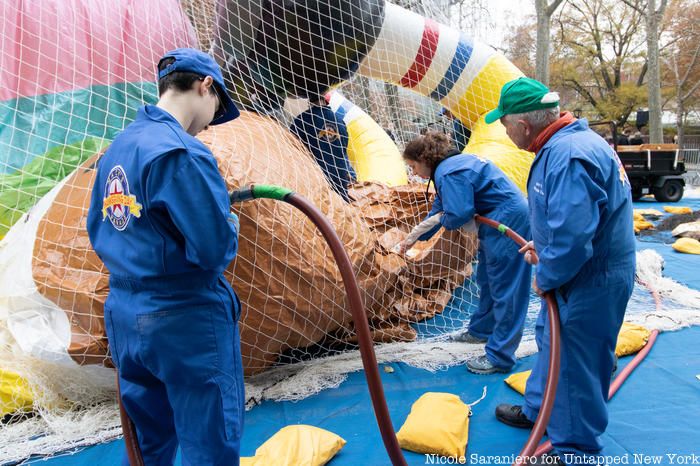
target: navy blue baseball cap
<point>198,62</point>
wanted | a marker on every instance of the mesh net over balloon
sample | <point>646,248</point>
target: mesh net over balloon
<point>73,78</point>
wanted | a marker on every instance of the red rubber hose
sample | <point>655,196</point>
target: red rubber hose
<point>133,451</point>
<point>369,360</point>
<point>550,389</point>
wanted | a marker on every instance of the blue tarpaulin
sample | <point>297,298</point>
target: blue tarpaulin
<point>656,413</point>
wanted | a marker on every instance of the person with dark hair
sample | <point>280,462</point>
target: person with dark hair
<point>466,185</point>
<point>460,133</point>
<point>326,137</point>
<point>636,139</point>
<point>160,221</point>
<point>624,138</point>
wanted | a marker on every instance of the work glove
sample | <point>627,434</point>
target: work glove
<point>233,219</point>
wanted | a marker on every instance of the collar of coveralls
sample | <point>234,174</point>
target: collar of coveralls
<point>565,119</point>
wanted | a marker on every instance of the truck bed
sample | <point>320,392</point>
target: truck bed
<point>659,159</point>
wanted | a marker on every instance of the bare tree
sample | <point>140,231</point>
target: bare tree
<point>653,16</point>
<point>358,91</point>
<point>520,47</point>
<point>597,55</point>
<point>544,10</point>
<point>682,60</point>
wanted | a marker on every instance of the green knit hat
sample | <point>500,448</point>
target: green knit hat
<point>522,95</point>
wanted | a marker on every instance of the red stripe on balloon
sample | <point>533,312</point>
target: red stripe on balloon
<point>425,55</point>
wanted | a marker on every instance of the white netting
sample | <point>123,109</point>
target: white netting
<point>72,75</point>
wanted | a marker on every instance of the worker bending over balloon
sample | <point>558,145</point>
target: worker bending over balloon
<point>467,185</point>
<point>581,219</point>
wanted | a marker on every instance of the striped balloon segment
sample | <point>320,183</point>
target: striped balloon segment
<point>454,72</point>
<point>425,55</point>
<point>463,75</point>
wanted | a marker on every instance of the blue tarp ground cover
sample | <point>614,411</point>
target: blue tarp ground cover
<point>681,267</point>
<point>656,412</point>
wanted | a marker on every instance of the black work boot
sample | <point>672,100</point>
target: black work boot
<point>513,416</point>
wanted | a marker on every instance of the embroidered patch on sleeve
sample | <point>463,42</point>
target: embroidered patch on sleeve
<point>118,204</point>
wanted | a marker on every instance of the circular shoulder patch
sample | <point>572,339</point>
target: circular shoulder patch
<point>119,205</point>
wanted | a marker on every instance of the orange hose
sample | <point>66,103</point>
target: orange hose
<point>133,451</point>
<point>550,389</point>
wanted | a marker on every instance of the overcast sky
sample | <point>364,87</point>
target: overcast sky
<point>505,14</point>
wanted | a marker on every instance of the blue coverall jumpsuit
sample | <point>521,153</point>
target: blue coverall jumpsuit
<point>326,136</point>
<point>468,185</point>
<point>581,218</point>
<point>160,220</point>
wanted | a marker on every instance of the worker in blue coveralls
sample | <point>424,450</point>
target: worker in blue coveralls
<point>460,133</point>
<point>326,137</point>
<point>581,218</point>
<point>467,185</point>
<point>160,221</point>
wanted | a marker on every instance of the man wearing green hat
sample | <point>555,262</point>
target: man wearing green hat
<point>581,219</point>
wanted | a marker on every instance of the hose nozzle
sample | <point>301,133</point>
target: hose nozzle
<point>259,191</point>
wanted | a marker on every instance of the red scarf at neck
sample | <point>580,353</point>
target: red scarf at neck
<point>565,119</point>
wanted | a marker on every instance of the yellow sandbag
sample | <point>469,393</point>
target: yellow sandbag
<point>15,393</point>
<point>438,424</point>
<point>518,381</point>
<point>631,339</point>
<point>297,445</point>
<point>642,224</point>
<point>687,245</point>
<point>651,212</point>
<point>678,210</point>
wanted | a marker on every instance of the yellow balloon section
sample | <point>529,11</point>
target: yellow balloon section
<point>373,154</point>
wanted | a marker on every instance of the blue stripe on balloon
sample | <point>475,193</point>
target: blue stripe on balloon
<point>459,62</point>
<point>343,109</point>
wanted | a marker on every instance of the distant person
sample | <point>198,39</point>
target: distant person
<point>460,133</point>
<point>326,137</point>
<point>636,139</point>
<point>624,138</point>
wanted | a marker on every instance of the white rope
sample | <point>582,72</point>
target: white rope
<point>483,395</point>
